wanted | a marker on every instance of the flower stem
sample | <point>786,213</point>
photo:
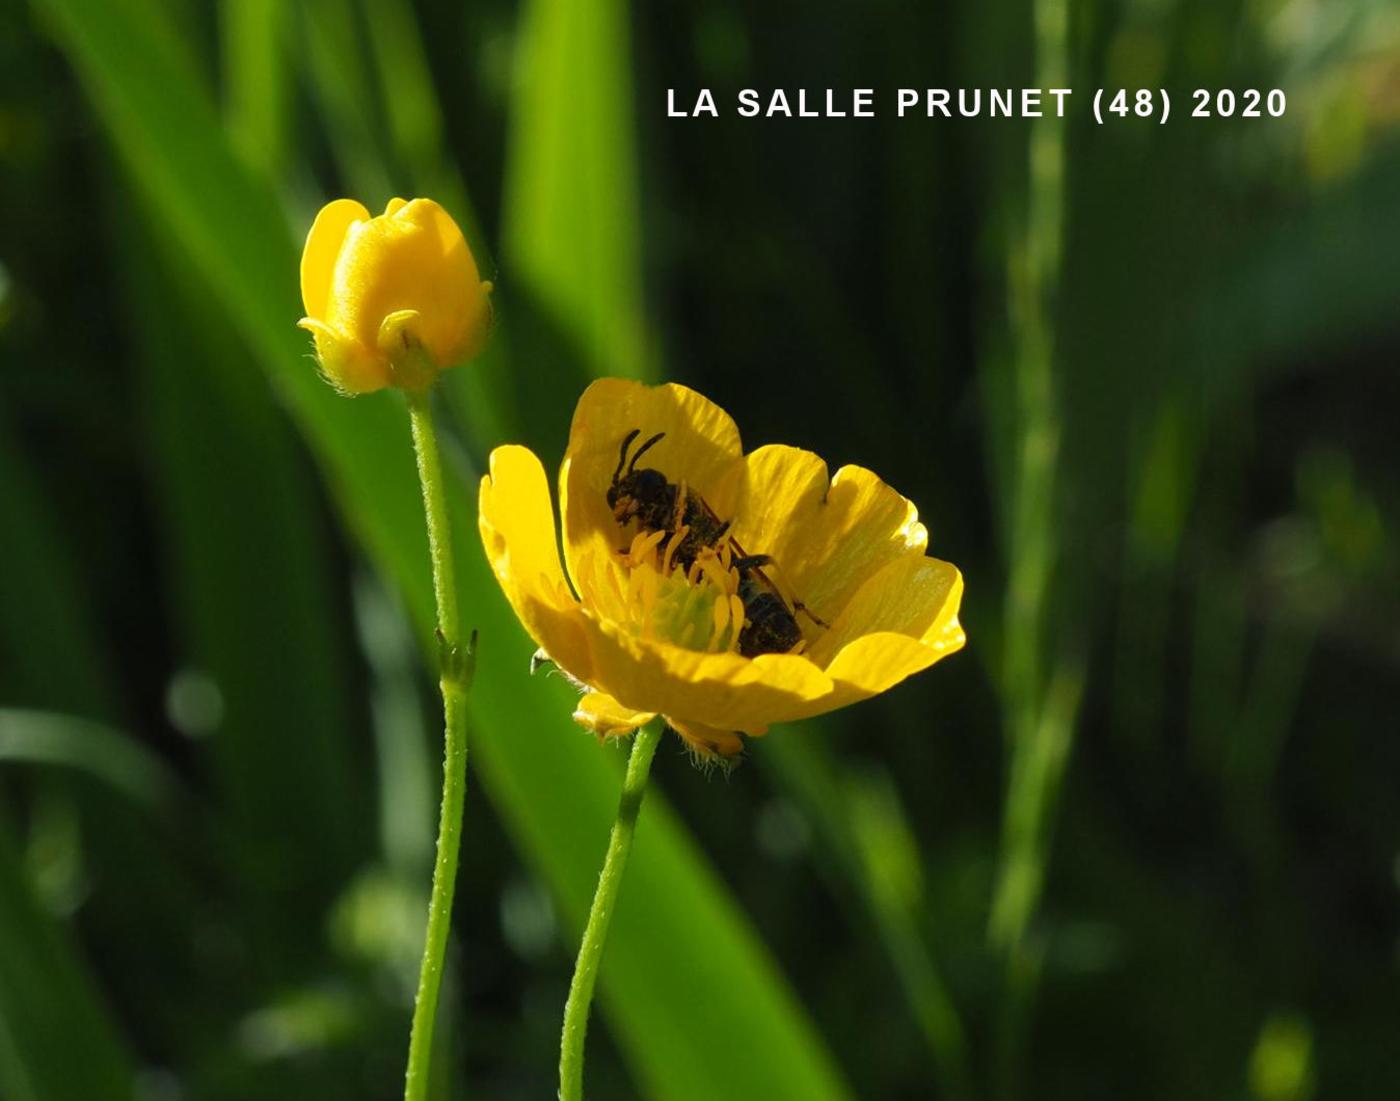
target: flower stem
<point>455,674</point>
<point>595,934</point>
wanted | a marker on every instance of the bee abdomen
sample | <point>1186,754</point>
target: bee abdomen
<point>770,627</point>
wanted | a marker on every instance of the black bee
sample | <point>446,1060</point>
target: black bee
<point>657,504</point>
<point>660,505</point>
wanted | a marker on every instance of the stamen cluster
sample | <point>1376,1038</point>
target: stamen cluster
<point>657,598</point>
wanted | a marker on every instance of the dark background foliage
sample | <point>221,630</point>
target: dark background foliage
<point>1139,839</point>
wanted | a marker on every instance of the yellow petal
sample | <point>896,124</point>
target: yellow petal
<point>826,537</point>
<point>912,596</point>
<point>707,741</point>
<point>876,662</point>
<point>517,530</point>
<point>415,259</point>
<point>323,244</point>
<point>701,445</point>
<point>607,718</point>
<point>394,206</point>
<point>722,690</point>
<point>457,320</point>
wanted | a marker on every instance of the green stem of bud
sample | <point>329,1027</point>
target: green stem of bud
<point>456,665</point>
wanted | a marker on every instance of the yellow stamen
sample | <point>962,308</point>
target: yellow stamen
<point>736,617</point>
<point>669,558</point>
<point>722,579</point>
<point>643,543</point>
<point>697,608</point>
<point>721,614</point>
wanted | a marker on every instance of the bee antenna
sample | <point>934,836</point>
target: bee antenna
<point>642,450</point>
<point>622,455</point>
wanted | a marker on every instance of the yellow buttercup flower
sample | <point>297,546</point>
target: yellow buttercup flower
<point>391,300</point>
<point>646,633</point>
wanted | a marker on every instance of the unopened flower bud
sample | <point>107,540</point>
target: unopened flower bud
<point>393,300</point>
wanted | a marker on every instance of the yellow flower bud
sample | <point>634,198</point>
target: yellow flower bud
<point>393,300</point>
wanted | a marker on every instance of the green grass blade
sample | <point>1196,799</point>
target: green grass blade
<point>702,1021</point>
<point>55,1041</point>
<point>414,117</point>
<point>256,604</point>
<point>862,838</point>
<point>407,799</point>
<point>44,615</point>
<point>255,39</point>
<point>339,68</point>
<point>49,738</point>
<point>571,224</point>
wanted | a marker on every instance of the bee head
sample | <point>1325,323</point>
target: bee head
<point>629,492</point>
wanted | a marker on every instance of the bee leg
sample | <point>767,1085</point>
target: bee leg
<point>753,562</point>
<point>798,606</point>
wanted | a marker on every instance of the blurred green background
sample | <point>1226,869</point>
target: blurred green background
<point>1141,839</point>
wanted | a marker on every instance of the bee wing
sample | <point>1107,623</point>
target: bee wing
<point>698,499</point>
<point>768,582</point>
<point>791,602</point>
<point>691,496</point>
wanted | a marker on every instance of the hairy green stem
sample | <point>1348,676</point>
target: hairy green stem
<point>595,933</point>
<point>455,673</point>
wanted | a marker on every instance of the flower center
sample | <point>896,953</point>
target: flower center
<point>646,592</point>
